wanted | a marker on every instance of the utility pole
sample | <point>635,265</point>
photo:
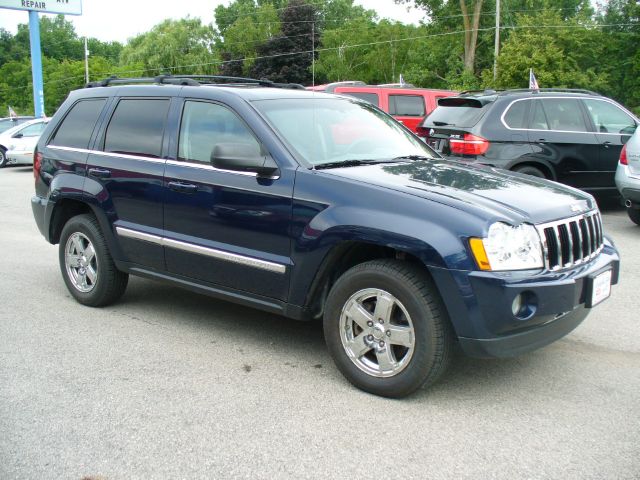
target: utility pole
<point>313,53</point>
<point>496,51</point>
<point>86,61</point>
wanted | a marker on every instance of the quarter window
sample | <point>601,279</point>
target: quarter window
<point>564,114</point>
<point>205,125</point>
<point>516,116</point>
<point>77,127</point>
<point>137,127</point>
<point>407,105</point>
<point>608,118</point>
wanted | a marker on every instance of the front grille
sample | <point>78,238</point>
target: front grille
<point>571,241</point>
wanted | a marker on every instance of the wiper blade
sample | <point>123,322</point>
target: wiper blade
<point>348,163</point>
<point>441,124</point>
<point>413,157</point>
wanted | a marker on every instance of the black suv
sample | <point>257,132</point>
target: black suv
<point>570,136</point>
<point>315,206</point>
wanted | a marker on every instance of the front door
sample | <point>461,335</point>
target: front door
<point>224,227</point>
<point>613,127</point>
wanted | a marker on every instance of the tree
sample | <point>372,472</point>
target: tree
<point>288,57</point>
<point>176,46</point>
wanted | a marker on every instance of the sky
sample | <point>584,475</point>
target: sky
<point>121,19</point>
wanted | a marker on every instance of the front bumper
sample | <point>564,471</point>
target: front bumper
<point>480,305</point>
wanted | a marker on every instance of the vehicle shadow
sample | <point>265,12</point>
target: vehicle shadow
<point>296,340</point>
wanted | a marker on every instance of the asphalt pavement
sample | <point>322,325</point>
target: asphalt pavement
<point>169,384</point>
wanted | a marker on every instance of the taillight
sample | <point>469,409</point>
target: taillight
<point>469,145</point>
<point>623,155</point>
<point>37,163</point>
<point>422,131</point>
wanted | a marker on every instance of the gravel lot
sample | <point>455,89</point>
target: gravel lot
<point>169,384</point>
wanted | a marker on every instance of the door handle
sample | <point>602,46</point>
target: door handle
<point>542,140</point>
<point>99,173</point>
<point>607,144</point>
<point>183,187</point>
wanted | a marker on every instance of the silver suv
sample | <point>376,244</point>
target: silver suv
<point>628,176</point>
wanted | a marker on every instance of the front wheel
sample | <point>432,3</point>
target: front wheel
<point>86,264</point>
<point>386,328</point>
<point>3,157</point>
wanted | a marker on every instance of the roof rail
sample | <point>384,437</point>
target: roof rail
<point>538,90</point>
<point>193,80</point>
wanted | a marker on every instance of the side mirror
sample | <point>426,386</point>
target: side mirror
<point>18,135</point>
<point>242,157</point>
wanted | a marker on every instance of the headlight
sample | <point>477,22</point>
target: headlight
<point>508,248</point>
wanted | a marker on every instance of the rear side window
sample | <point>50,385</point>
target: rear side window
<point>372,98</point>
<point>407,105</point>
<point>564,114</point>
<point>137,127</point>
<point>516,116</point>
<point>77,127</point>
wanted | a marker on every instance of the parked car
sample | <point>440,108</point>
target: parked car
<point>628,176</point>
<point>571,136</point>
<point>255,194</point>
<point>10,122</point>
<point>21,140</point>
<point>407,104</point>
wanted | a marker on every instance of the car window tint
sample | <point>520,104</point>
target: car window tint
<point>33,130</point>
<point>539,120</point>
<point>516,116</point>
<point>564,114</point>
<point>372,98</point>
<point>205,125</point>
<point>77,127</point>
<point>608,118</point>
<point>407,105</point>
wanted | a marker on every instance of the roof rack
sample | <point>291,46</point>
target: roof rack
<point>531,90</point>
<point>194,80</point>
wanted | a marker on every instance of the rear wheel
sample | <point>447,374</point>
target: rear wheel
<point>634,215</point>
<point>86,264</point>
<point>530,170</point>
<point>386,328</point>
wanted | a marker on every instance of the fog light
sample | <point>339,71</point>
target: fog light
<point>516,306</point>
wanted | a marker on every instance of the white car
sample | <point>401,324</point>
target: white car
<point>17,143</point>
<point>628,176</point>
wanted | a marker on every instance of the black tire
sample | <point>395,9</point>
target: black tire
<point>530,170</point>
<point>433,335</point>
<point>634,215</point>
<point>3,157</point>
<point>110,283</point>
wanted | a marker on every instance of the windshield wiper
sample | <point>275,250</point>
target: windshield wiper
<point>349,163</point>
<point>441,124</point>
<point>412,157</point>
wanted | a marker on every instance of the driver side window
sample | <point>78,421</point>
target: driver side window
<point>608,118</point>
<point>205,125</point>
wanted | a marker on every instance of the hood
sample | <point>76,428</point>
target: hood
<point>499,194</point>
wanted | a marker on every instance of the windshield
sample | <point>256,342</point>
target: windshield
<point>326,130</point>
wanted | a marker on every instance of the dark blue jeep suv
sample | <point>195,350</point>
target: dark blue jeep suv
<point>315,206</point>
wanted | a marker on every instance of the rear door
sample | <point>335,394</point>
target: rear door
<point>224,227</point>
<point>408,109</point>
<point>613,127</point>
<point>559,135</point>
<point>125,172</point>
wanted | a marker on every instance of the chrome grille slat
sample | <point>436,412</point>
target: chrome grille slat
<point>571,241</point>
